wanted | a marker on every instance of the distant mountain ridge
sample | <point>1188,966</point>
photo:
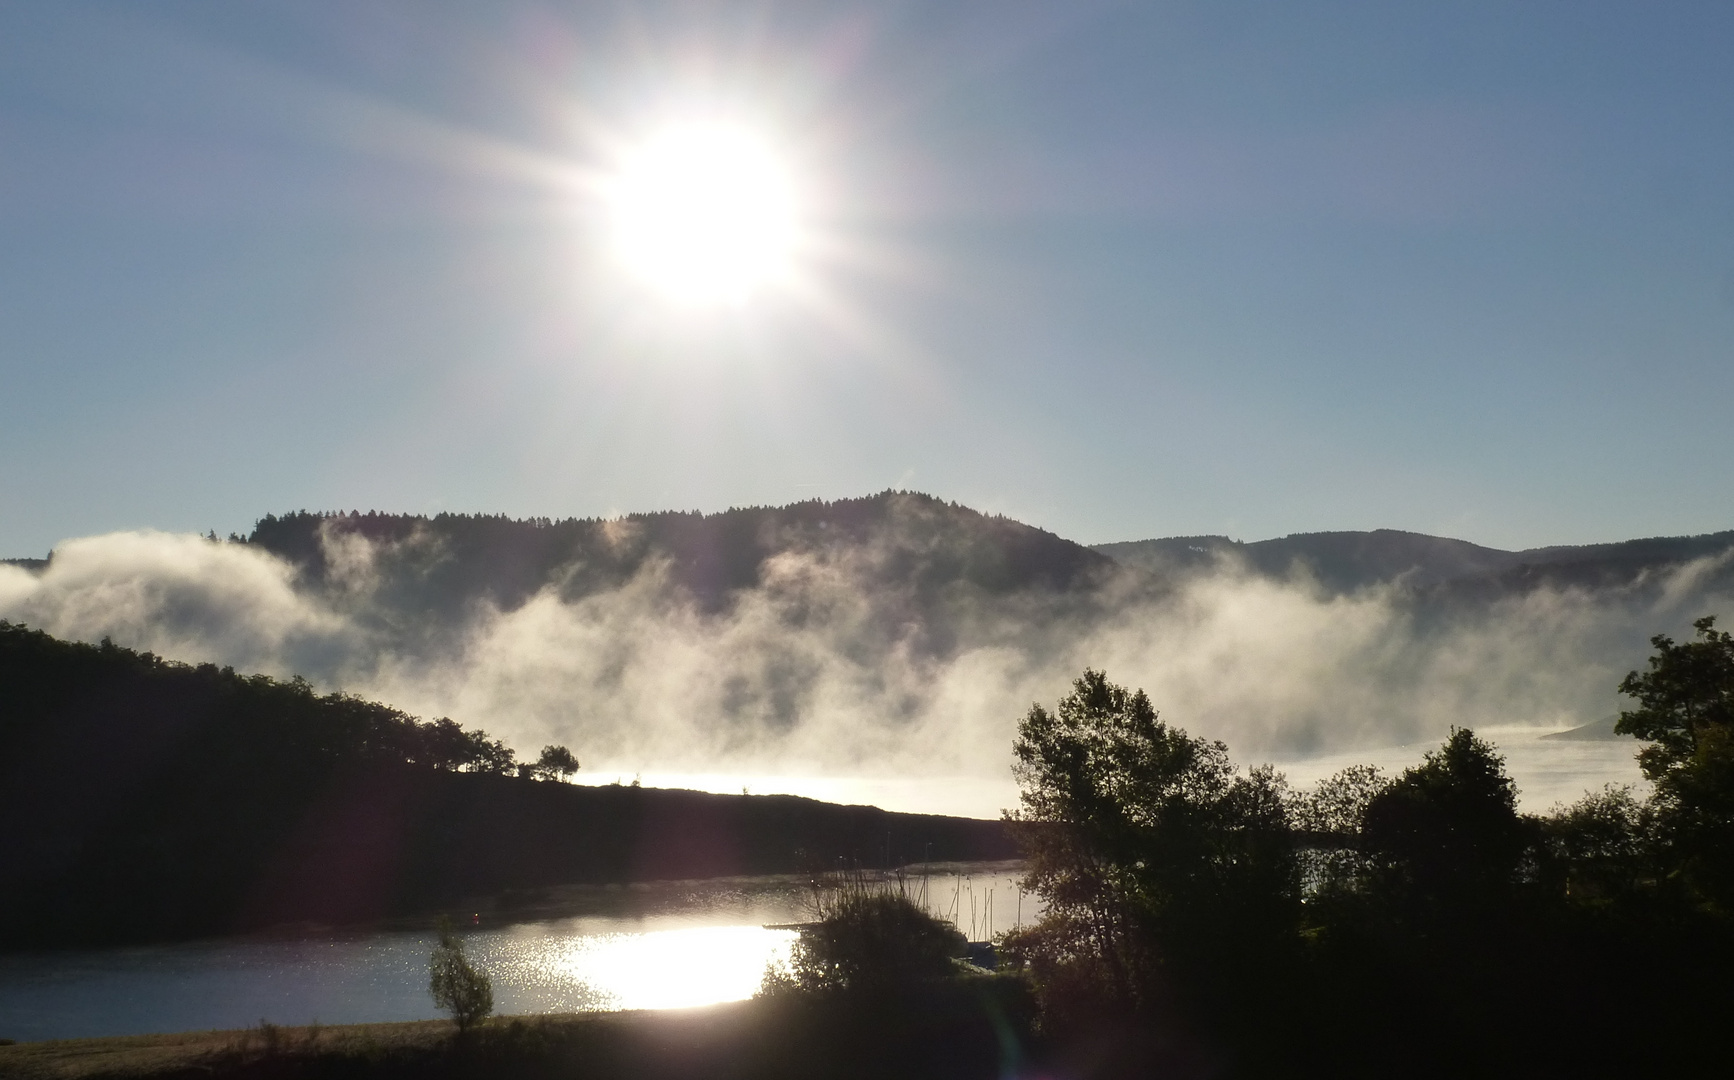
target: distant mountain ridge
<point>909,538</point>
<point>894,632</point>
<point>1346,561</point>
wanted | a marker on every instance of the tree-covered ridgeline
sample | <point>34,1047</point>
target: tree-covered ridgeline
<point>142,799</point>
<point>1202,920</point>
<point>222,721</point>
<point>148,798</point>
<point>441,563</point>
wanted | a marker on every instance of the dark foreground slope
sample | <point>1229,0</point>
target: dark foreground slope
<point>141,799</point>
<point>972,1028</point>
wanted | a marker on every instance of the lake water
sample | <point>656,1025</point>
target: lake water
<point>643,947</point>
<point>665,945</point>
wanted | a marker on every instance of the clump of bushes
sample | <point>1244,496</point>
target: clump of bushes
<point>870,938</point>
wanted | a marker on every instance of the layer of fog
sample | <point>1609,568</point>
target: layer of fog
<point>815,674</point>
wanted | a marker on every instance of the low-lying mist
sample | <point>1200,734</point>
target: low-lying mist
<point>825,669</point>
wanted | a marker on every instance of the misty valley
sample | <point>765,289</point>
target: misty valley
<point>891,636</point>
<point>1185,806</point>
<point>846,540</point>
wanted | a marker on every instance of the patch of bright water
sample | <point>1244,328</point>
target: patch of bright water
<point>662,969</point>
<point>669,945</point>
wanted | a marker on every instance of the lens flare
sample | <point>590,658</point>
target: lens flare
<point>678,969</point>
<point>705,213</point>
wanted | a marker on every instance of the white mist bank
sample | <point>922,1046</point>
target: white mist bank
<point>1548,773</point>
<point>830,685</point>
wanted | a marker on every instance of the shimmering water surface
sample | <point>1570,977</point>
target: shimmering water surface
<point>657,946</point>
<point>668,945</point>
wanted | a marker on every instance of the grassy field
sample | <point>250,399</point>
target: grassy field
<point>148,1055</point>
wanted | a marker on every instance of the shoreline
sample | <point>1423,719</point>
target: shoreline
<point>956,1030</point>
<point>167,1052</point>
<point>523,907</point>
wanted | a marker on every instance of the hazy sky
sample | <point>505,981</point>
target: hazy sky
<point>1116,270</point>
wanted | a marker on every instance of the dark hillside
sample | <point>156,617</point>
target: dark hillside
<point>142,799</point>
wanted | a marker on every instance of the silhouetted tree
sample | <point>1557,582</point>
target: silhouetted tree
<point>1171,887</point>
<point>1447,830</point>
<point>1686,709</point>
<point>1149,849</point>
<point>556,763</point>
<point>487,755</point>
<point>1686,697</point>
<point>1602,848</point>
<point>1328,820</point>
<point>444,744</point>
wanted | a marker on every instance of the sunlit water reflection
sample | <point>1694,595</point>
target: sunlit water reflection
<point>660,946</point>
<point>661,969</point>
<point>670,945</point>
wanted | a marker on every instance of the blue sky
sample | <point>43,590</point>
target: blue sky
<point>1116,270</point>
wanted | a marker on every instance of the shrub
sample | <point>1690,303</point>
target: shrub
<point>457,986</point>
<point>870,937</point>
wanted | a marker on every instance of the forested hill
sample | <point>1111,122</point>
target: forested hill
<point>896,538</point>
<point>1345,561</point>
<point>144,799</point>
<point>906,541</point>
<point>921,547</point>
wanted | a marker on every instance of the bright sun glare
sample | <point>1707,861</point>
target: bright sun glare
<point>705,213</point>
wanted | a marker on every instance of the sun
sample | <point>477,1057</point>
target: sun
<point>706,213</point>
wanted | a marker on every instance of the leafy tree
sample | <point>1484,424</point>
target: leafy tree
<point>1686,709</point>
<point>1328,820</point>
<point>1696,812</point>
<point>1448,829</point>
<point>489,755</point>
<point>457,986</point>
<point>1334,808</point>
<point>444,744</point>
<point>1148,847</point>
<point>1601,848</point>
<point>1685,697</point>
<point>556,763</point>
